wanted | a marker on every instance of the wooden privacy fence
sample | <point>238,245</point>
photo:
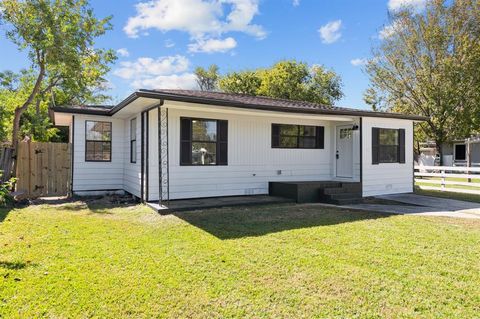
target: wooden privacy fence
<point>43,169</point>
<point>6,163</point>
<point>448,178</point>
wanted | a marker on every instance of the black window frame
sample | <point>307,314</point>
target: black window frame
<point>377,147</point>
<point>319,136</point>
<point>133,138</point>
<point>98,141</point>
<point>221,142</point>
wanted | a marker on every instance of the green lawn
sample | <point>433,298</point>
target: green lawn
<point>450,179</point>
<point>74,260</point>
<point>447,194</point>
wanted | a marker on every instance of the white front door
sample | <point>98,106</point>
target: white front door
<point>344,151</point>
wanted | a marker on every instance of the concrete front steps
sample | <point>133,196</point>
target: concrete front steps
<point>345,194</point>
<point>333,192</point>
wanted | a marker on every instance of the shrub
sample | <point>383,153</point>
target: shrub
<point>5,188</point>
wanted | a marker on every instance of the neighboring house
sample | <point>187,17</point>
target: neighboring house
<point>455,153</point>
<point>177,144</point>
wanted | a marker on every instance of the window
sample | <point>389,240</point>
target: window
<point>388,145</point>
<point>98,141</point>
<point>460,152</point>
<point>133,140</point>
<point>203,142</point>
<point>297,136</point>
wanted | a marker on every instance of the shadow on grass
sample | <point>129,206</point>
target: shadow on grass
<point>103,208</point>
<point>95,204</point>
<point>4,213</point>
<point>16,265</point>
<point>231,223</point>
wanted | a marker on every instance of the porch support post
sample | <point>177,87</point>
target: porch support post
<point>163,156</point>
<point>142,156</point>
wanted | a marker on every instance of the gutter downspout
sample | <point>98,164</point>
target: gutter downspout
<point>361,156</point>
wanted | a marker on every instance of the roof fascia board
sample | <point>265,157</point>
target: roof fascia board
<point>191,99</point>
<point>200,100</point>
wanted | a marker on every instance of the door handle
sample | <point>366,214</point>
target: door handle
<point>337,156</point>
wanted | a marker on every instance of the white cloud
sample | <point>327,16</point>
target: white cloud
<point>152,67</point>
<point>390,30</point>
<point>168,72</point>
<point>169,43</point>
<point>330,32</point>
<point>296,3</point>
<point>123,52</point>
<point>163,72</point>
<point>358,62</point>
<point>199,18</point>
<point>173,81</point>
<point>396,5</point>
<point>213,45</point>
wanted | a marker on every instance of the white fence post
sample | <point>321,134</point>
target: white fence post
<point>458,179</point>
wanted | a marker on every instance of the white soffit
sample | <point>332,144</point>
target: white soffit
<point>138,105</point>
<point>62,119</point>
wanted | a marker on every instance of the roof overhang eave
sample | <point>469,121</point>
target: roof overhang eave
<point>200,100</point>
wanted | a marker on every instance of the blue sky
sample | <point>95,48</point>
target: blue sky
<point>160,42</point>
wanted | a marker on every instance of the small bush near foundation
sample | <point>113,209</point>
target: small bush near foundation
<point>5,188</point>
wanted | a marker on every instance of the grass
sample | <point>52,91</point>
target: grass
<point>450,179</point>
<point>446,194</point>
<point>296,261</point>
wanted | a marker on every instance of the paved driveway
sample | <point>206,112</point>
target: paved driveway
<point>413,204</point>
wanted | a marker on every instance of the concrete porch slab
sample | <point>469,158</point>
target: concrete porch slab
<point>216,202</point>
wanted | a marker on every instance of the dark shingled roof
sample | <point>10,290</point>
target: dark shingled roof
<point>234,100</point>
<point>253,100</point>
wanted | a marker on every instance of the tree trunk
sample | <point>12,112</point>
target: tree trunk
<point>438,146</point>
<point>19,110</point>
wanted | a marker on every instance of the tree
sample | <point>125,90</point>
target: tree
<point>35,121</point>
<point>371,98</point>
<point>59,38</point>
<point>428,65</point>
<point>245,82</point>
<point>287,80</point>
<point>207,79</point>
<point>324,86</point>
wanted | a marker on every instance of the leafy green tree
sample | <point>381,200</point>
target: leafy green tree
<point>371,97</point>
<point>207,79</point>
<point>59,38</point>
<point>245,82</point>
<point>287,80</point>
<point>323,86</point>
<point>428,65</point>
<point>35,122</point>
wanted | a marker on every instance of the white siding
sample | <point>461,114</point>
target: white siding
<point>89,176</point>
<point>387,178</point>
<point>131,171</point>
<point>252,163</point>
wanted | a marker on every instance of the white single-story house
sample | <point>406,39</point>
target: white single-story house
<point>162,145</point>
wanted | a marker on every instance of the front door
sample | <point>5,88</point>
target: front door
<point>344,151</point>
